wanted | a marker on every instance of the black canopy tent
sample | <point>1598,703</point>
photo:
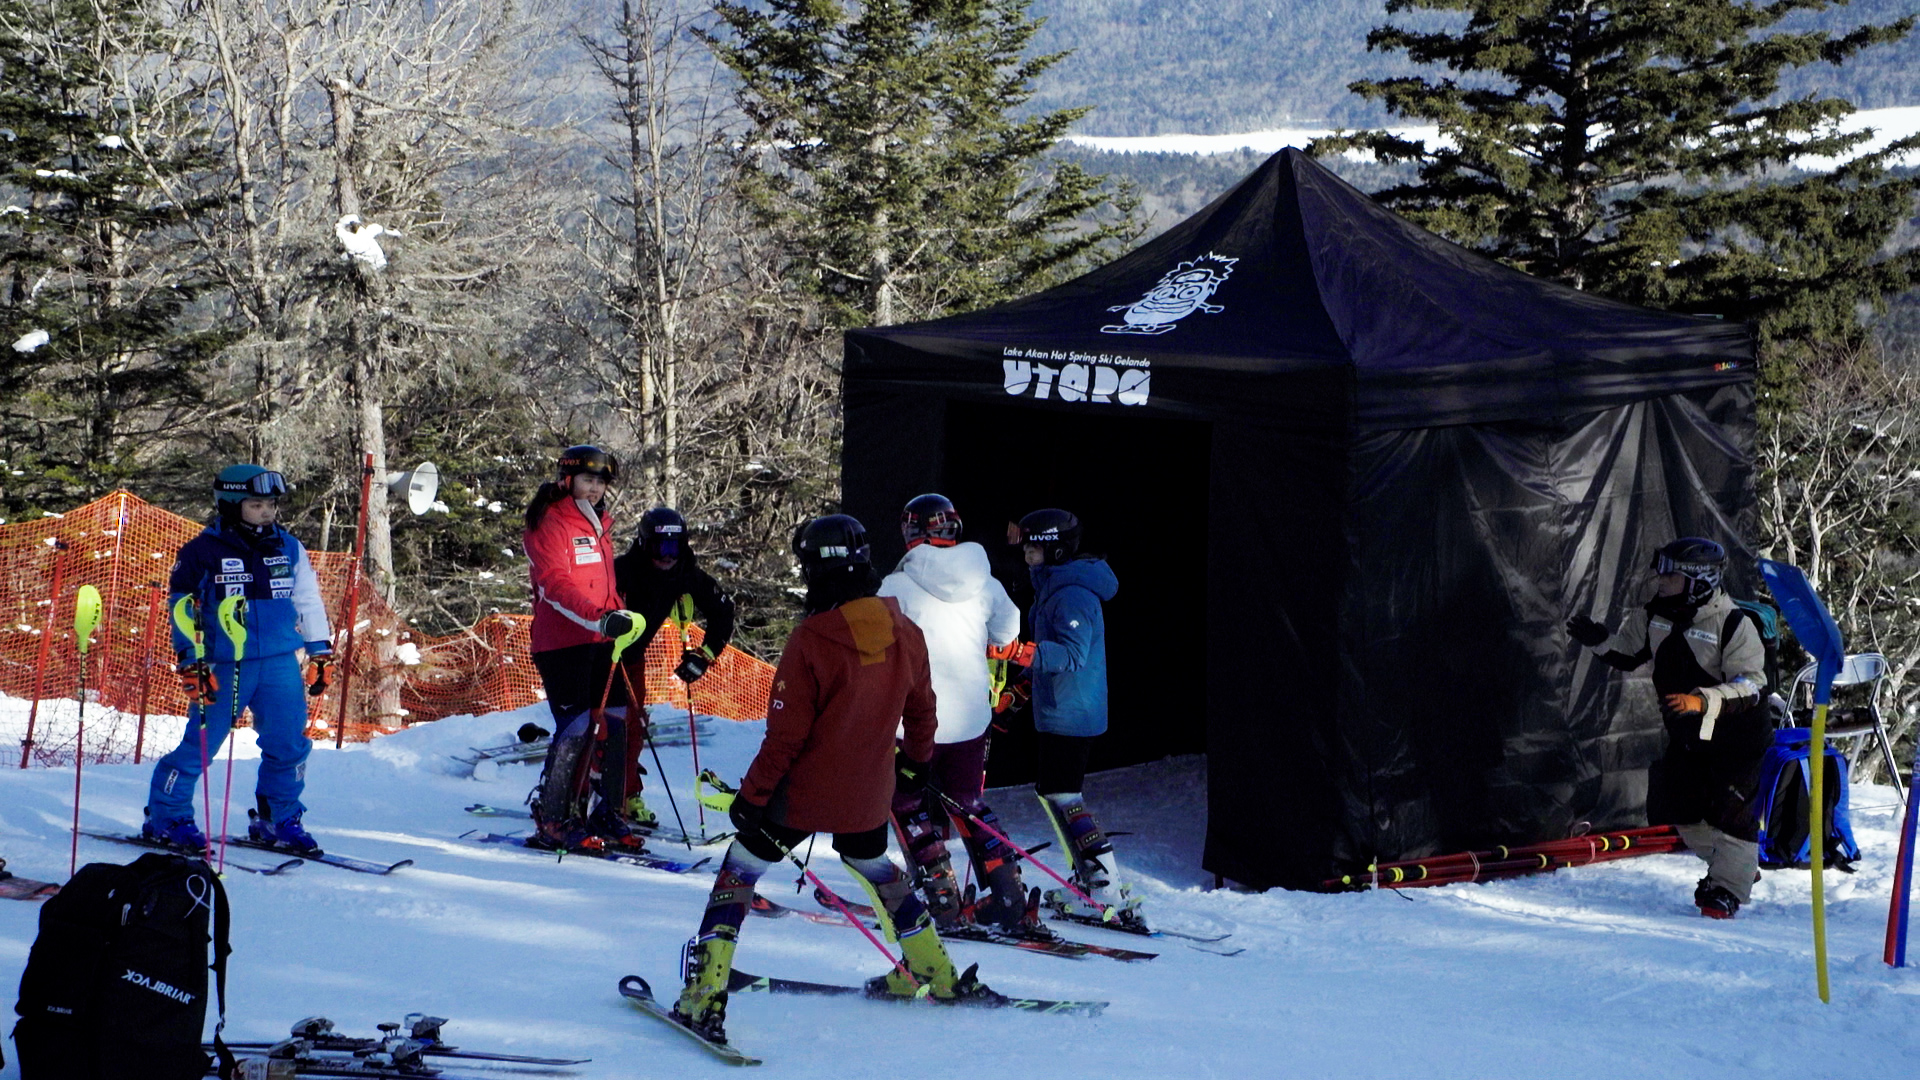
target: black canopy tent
<point>1353,478</point>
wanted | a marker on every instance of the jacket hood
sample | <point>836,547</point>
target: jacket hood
<point>1093,575</point>
<point>864,625</point>
<point>952,574</point>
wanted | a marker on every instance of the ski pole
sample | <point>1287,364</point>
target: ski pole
<point>900,965</point>
<point>1898,905</point>
<point>233,620</point>
<point>683,616</point>
<point>1018,850</point>
<point>186,618</point>
<point>146,669</point>
<point>46,643</point>
<point>86,615</point>
<point>647,734</point>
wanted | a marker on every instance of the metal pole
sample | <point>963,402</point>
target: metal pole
<point>46,642</point>
<point>353,602</point>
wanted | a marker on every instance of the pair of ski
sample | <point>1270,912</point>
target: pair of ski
<point>662,833</point>
<point>1206,943</point>
<point>635,989</point>
<point>1051,945</point>
<point>344,862</point>
<point>392,1053</point>
<point>610,853</point>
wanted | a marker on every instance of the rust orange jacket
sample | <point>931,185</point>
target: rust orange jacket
<point>847,681</point>
<point>570,559</point>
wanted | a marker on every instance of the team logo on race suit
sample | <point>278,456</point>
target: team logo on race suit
<point>583,551</point>
<point>1181,292</point>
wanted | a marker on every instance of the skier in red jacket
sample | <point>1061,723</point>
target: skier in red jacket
<point>853,672</point>
<point>576,614</point>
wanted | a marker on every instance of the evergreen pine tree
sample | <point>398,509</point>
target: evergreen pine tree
<point>1640,149</point>
<point>887,155</point>
<point>102,339</point>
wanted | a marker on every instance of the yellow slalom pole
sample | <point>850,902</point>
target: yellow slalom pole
<point>1817,842</point>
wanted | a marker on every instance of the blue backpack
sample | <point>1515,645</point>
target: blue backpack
<point>1782,803</point>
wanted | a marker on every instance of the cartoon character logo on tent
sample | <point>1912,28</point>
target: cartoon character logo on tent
<point>1183,291</point>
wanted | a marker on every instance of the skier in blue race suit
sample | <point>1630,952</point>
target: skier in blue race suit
<point>244,553</point>
<point>1069,672</point>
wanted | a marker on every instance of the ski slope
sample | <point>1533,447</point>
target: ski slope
<point>1603,972</point>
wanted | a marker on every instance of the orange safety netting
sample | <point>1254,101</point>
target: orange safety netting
<point>125,547</point>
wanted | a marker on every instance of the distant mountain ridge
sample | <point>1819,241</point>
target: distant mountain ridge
<point>1156,67</point>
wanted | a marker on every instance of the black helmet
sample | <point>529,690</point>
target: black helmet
<point>1057,532</point>
<point>663,533</point>
<point>591,460</point>
<point>1698,560</point>
<point>830,543</point>
<point>930,519</point>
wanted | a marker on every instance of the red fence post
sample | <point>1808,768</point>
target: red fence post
<point>353,601</point>
<point>46,643</point>
<point>146,667</point>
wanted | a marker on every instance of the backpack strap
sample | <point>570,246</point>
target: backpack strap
<point>228,1068</point>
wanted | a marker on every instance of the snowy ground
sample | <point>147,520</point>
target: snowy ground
<point>1600,972</point>
<point>1888,125</point>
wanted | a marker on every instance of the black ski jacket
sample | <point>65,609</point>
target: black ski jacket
<point>652,593</point>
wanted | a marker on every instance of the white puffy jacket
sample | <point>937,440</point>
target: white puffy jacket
<point>951,594</point>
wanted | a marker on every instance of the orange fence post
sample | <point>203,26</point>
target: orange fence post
<point>353,601</point>
<point>46,643</point>
<point>146,667</point>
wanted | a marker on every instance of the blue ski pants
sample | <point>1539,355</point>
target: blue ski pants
<point>272,688</point>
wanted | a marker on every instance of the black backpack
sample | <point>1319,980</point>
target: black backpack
<point>1767,621</point>
<point>116,985</point>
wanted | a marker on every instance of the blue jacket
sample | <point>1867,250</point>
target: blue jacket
<point>284,609</point>
<point>1070,663</point>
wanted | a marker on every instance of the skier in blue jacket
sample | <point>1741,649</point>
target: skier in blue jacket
<point>1069,674</point>
<point>244,553</point>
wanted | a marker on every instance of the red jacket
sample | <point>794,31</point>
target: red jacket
<point>846,681</point>
<point>571,563</point>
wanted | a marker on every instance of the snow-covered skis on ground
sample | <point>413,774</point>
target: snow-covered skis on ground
<point>661,833</point>
<point>232,864</point>
<point>635,989</point>
<point>741,982</point>
<point>316,1033</point>
<point>1051,946</point>
<point>625,856</point>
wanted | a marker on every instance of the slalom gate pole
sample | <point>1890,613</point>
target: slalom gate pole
<point>1652,840</point>
<point>1902,898</point>
<point>146,669</point>
<point>634,706</point>
<point>86,615</point>
<point>1817,838</point>
<point>233,621</point>
<point>1460,874</point>
<point>46,642</point>
<point>353,602</point>
<point>1022,852</point>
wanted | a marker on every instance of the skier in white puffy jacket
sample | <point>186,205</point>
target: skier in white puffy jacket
<point>946,587</point>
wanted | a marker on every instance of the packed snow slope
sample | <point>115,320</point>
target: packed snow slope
<point>1601,972</point>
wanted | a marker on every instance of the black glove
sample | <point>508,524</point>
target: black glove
<point>746,817</point>
<point>615,623</point>
<point>910,776</point>
<point>1584,630</point>
<point>693,664</point>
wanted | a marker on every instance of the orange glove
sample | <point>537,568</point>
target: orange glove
<point>1016,652</point>
<point>198,683</point>
<point>1685,704</point>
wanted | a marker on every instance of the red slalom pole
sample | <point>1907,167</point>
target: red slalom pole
<point>353,601</point>
<point>46,642</point>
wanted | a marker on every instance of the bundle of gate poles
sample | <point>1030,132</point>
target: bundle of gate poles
<point>1505,862</point>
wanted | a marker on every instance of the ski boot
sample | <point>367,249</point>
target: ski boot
<point>702,1006</point>
<point>564,835</point>
<point>637,815</point>
<point>605,824</point>
<point>179,833</point>
<point>1714,901</point>
<point>287,834</point>
<point>928,968</point>
<point>942,891</point>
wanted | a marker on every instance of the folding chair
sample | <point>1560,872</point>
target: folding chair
<point>1860,675</point>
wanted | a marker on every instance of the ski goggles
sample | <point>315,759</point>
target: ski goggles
<point>266,485</point>
<point>664,541</point>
